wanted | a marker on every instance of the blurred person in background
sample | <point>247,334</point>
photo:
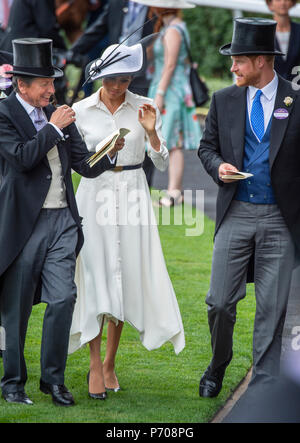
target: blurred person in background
<point>5,6</point>
<point>287,37</point>
<point>32,18</point>
<point>6,61</point>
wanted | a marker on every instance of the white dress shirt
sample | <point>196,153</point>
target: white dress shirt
<point>267,99</point>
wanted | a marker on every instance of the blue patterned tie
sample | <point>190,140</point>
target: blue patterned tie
<point>257,116</point>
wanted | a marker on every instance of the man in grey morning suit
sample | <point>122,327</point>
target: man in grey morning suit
<point>253,127</point>
<point>40,228</point>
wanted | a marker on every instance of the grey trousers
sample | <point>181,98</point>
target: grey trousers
<point>260,229</point>
<point>47,258</point>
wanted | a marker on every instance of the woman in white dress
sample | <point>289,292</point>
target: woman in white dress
<point>121,273</point>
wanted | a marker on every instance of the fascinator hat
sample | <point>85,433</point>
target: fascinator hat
<point>119,60</point>
<point>173,4</point>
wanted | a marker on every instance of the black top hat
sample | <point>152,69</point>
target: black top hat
<point>33,58</point>
<point>252,36</point>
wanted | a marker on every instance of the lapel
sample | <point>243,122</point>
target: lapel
<point>237,112</point>
<point>20,116</point>
<point>278,127</point>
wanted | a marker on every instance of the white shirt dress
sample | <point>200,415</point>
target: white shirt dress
<point>121,272</point>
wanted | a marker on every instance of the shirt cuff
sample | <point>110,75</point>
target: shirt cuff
<point>58,130</point>
<point>112,160</point>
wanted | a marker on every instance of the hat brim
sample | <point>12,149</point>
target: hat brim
<point>226,50</point>
<point>116,71</point>
<point>116,74</point>
<point>57,73</point>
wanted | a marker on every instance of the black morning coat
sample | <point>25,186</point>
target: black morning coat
<point>223,141</point>
<point>25,174</point>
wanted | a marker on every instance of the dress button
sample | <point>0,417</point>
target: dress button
<point>251,195</point>
<point>49,177</point>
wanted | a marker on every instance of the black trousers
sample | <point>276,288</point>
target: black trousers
<point>48,259</point>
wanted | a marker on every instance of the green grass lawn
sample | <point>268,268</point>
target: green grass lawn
<point>157,386</point>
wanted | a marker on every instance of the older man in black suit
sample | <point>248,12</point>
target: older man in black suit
<point>41,232</point>
<point>252,127</point>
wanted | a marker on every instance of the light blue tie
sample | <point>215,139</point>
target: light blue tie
<point>39,119</point>
<point>257,116</point>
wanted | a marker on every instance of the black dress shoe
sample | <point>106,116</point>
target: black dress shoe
<point>100,396</point>
<point>17,397</point>
<point>210,383</point>
<point>60,394</point>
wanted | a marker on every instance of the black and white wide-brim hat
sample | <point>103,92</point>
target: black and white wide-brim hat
<point>118,60</point>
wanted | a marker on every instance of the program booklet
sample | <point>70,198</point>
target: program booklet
<point>106,145</point>
<point>237,176</point>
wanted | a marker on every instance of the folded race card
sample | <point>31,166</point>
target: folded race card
<point>106,145</point>
<point>236,176</point>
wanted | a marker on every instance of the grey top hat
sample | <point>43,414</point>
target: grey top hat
<point>252,35</point>
<point>33,57</point>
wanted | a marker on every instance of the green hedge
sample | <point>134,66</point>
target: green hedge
<point>210,28</point>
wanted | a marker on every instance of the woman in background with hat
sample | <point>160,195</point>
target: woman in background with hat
<point>121,273</point>
<point>171,91</point>
<point>287,37</point>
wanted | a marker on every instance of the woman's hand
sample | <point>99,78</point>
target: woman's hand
<point>147,118</point>
<point>120,142</point>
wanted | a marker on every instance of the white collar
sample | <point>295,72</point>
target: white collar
<point>94,100</point>
<point>268,91</point>
<point>27,106</point>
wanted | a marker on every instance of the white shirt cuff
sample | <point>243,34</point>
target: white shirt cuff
<point>58,130</point>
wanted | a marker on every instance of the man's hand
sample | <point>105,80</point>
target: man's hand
<point>227,169</point>
<point>63,116</point>
<point>118,146</point>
